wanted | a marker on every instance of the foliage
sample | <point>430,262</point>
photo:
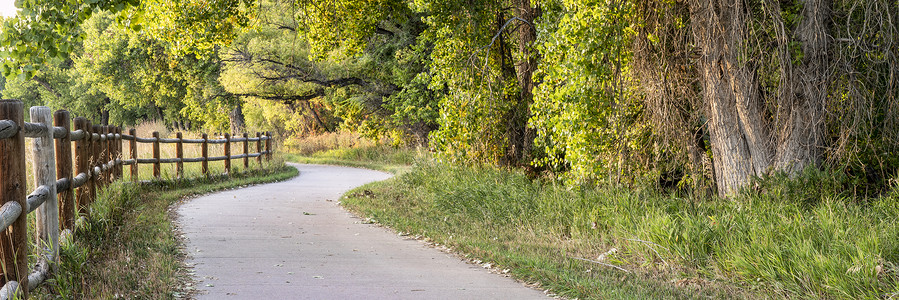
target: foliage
<point>473,69</point>
<point>328,79</point>
<point>46,31</point>
<point>123,77</point>
<point>345,26</point>
<point>586,114</point>
<point>133,72</point>
<point>193,27</point>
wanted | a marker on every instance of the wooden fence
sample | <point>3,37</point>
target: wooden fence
<point>59,197</point>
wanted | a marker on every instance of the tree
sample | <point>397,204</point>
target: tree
<point>356,77</point>
<point>744,142</point>
<point>488,85</point>
<point>586,114</point>
<point>44,31</point>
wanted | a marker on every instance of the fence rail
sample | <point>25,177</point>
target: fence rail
<point>59,196</point>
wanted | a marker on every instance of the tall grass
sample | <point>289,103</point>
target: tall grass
<point>191,170</point>
<point>789,238</point>
<point>352,150</point>
<point>325,142</point>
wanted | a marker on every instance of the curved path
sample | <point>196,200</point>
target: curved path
<point>291,240</point>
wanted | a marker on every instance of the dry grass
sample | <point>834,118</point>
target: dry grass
<point>327,141</point>
<point>168,171</point>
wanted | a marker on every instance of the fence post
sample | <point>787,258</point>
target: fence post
<point>228,153</point>
<point>92,161</point>
<point>268,145</point>
<point>135,166</point>
<point>13,243</point>
<point>120,168</point>
<point>259,148</point>
<point>61,118</point>
<point>96,157</point>
<point>109,154</point>
<point>82,163</point>
<point>179,152</point>
<point>103,154</point>
<point>246,152</point>
<point>204,149</point>
<point>156,170</point>
<point>46,223</point>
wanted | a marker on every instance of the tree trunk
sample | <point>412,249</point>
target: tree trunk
<point>516,117</point>
<point>104,112</point>
<point>522,136</point>
<point>315,116</point>
<point>237,120</point>
<point>739,139</point>
<point>802,111</point>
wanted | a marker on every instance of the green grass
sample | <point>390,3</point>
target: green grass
<point>376,157</point>
<point>128,248</point>
<point>791,238</point>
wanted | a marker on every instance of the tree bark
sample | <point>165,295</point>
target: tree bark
<point>104,112</point>
<point>236,119</point>
<point>315,116</point>
<point>739,140</point>
<point>743,144</point>
<point>522,136</point>
<point>801,137</point>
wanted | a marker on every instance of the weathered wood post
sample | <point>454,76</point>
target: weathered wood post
<point>179,152</point>
<point>120,168</point>
<point>228,153</point>
<point>96,157</point>
<point>110,153</point>
<point>156,167</point>
<point>133,144</point>
<point>46,223</point>
<point>94,154</point>
<point>246,152</point>
<point>268,145</point>
<point>82,164</point>
<point>107,155</point>
<point>13,241</point>
<point>259,148</point>
<point>61,118</point>
<point>204,149</point>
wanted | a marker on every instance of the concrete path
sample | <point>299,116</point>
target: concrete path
<point>291,240</point>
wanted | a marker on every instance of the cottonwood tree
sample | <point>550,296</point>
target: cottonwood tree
<point>352,75</point>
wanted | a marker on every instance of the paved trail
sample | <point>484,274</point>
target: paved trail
<point>291,240</point>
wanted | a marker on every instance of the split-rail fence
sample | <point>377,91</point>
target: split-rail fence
<point>60,197</point>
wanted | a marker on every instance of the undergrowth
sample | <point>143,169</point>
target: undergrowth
<point>786,238</point>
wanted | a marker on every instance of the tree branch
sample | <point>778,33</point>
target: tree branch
<point>288,99</point>
<point>46,86</point>
<point>381,30</point>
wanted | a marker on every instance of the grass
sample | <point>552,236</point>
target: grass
<point>376,157</point>
<point>792,238</point>
<point>128,248</point>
